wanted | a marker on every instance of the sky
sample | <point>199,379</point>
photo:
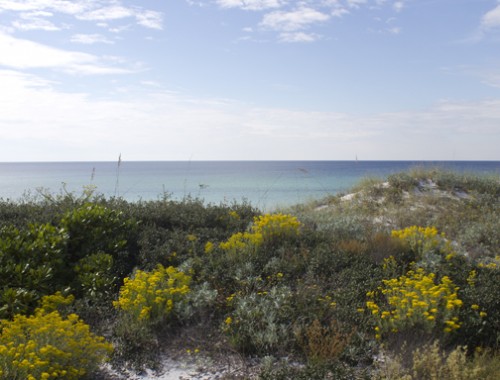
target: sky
<point>90,80</point>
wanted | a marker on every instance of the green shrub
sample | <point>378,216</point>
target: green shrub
<point>95,277</point>
<point>480,314</point>
<point>260,321</point>
<point>93,228</point>
<point>31,265</point>
<point>136,344</point>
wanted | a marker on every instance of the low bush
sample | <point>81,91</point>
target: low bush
<point>260,322</point>
<point>31,266</point>
<point>47,345</point>
<point>323,343</point>
<point>415,304</point>
<point>434,363</point>
<point>150,297</point>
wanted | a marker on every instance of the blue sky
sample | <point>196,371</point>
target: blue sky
<point>249,79</point>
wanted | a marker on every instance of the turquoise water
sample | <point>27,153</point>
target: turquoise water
<point>265,184</point>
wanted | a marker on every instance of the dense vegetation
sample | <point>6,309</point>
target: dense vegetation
<point>399,280</point>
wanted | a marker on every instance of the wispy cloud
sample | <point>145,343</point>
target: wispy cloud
<point>489,75</point>
<point>251,5</point>
<point>491,19</point>
<point>150,19</point>
<point>35,20</point>
<point>72,125</point>
<point>356,3</point>
<point>93,11</point>
<point>114,12</point>
<point>90,39</point>
<point>487,25</point>
<point>146,18</point>
<point>298,37</point>
<point>294,20</point>
<point>24,54</point>
<point>339,12</point>
<point>62,6</point>
<point>288,17</point>
<point>398,6</point>
<point>35,24</point>
<point>394,30</point>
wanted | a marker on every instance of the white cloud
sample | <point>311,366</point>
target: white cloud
<point>492,79</point>
<point>339,12</point>
<point>39,122</point>
<point>251,5</point>
<point>25,54</point>
<point>197,3</point>
<point>35,20</point>
<point>107,13</point>
<point>398,6</point>
<point>287,16</point>
<point>35,24</point>
<point>150,19</point>
<point>356,3</point>
<point>298,37</point>
<point>394,30</point>
<point>491,19</point>
<point>95,11</point>
<point>293,20</point>
<point>62,6</point>
<point>90,39</point>
<point>487,74</point>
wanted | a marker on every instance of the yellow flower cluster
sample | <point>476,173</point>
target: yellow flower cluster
<point>152,295</point>
<point>416,300</point>
<point>266,226</point>
<point>233,214</point>
<point>209,247</point>
<point>413,232</point>
<point>281,225</point>
<point>423,240</point>
<point>48,346</point>
<point>490,263</point>
<point>241,240</point>
<point>55,301</point>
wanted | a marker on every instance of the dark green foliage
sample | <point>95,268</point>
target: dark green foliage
<point>93,228</point>
<point>483,290</point>
<point>95,278</point>
<point>86,252</point>
<point>31,265</point>
<point>96,231</point>
<point>171,232</point>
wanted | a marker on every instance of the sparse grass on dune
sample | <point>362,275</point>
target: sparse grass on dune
<point>465,206</point>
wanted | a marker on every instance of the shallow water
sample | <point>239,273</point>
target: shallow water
<point>265,184</point>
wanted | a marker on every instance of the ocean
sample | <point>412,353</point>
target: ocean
<point>264,184</point>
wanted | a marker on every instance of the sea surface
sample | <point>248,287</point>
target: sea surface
<point>264,184</point>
